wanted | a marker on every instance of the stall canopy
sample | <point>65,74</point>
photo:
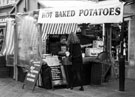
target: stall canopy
<point>57,28</point>
<point>62,17</point>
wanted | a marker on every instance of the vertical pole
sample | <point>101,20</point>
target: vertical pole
<point>15,48</point>
<point>103,27</point>
<point>26,5</point>
<point>108,37</point>
<point>40,40</point>
<point>122,62</point>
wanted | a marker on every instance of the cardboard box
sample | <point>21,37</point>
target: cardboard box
<point>93,51</point>
<point>98,44</point>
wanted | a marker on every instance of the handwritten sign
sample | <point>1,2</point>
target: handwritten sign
<point>33,73</point>
<point>56,73</point>
<point>57,77</point>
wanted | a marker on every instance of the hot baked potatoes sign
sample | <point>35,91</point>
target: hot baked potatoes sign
<point>111,13</point>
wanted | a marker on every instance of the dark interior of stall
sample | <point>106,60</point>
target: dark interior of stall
<point>54,44</point>
<point>116,40</point>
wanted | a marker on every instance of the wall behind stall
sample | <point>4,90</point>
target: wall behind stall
<point>131,67</point>
<point>30,5</point>
<point>130,10</point>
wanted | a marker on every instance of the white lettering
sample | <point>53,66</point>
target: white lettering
<point>34,71</point>
<point>31,75</point>
<point>30,79</point>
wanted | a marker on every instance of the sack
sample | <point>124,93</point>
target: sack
<point>46,77</point>
<point>67,61</point>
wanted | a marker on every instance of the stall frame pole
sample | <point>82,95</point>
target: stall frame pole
<point>15,47</point>
<point>122,61</point>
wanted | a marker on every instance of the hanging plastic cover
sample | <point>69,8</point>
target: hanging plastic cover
<point>28,39</point>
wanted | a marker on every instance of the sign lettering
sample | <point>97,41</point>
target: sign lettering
<point>56,73</point>
<point>29,79</point>
<point>111,13</point>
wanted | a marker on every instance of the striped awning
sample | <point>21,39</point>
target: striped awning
<point>8,49</point>
<point>57,28</point>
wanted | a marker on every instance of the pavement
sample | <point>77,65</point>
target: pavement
<point>12,88</point>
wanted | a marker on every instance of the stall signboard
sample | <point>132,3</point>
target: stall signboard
<point>94,14</point>
<point>33,74</point>
<point>56,73</point>
<point>57,76</point>
<point>57,70</point>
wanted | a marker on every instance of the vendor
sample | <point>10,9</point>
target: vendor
<point>63,42</point>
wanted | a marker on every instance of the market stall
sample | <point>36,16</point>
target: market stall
<point>64,20</point>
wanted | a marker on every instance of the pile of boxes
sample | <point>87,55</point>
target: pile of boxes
<point>95,50</point>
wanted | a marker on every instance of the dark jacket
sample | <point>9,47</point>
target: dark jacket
<point>76,54</point>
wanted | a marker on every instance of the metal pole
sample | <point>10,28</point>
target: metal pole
<point>122,62</point>
<point>15,48</point>
<point>103,27</point>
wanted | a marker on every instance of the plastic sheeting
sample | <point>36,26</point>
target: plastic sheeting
<point>28,37</point>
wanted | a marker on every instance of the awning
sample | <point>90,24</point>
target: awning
<point>87,12</point>
<point>57,28</point>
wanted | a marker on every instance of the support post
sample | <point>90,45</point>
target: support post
<point>122,62</point>
<point>103,28</point>
<point>15,48</point>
